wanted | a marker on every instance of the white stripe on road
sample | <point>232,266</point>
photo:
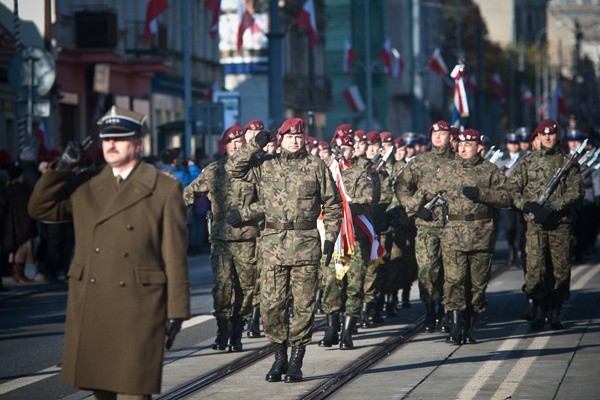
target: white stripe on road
<point>52,371</point>
<point>519,370</point>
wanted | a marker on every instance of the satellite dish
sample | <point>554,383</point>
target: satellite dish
<point>28,61</point>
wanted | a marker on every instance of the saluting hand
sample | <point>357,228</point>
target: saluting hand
<point>263,137</point>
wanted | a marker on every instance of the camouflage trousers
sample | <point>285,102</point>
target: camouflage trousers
<point>234,273</point>
<point>277,283</point>
<point>539,243</point>
<point>428,252</point>
<point>466,277</point>
<point>256,291</point>
<point>346,295</point>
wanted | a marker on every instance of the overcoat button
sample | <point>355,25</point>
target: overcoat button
<point>92,280</point>
<point>122,284</point>
<point>97,250</point>
<point>125,254</point>
<point>129,227</point>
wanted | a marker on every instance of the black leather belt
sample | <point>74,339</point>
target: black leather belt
<point>291,226</point>
<point>470,217</point>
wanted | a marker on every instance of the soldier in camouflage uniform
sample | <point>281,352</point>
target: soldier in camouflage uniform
<point>549,226</point>
<point>295,188</point>
<point>472,188</point>
<point>418,175</point>
<point>233,249</point>
<point>345,295</point>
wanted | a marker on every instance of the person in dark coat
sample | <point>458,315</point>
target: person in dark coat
<point>128,281</point>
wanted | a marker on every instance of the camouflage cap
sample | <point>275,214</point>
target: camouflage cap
<point>469,135</point>
<point>292,125</point>
<point>440,126</point>
<point>373,137</point>
<point>233,132</point>
<point>255,125</point>
<point>119,122</point>
<point>386,137</point>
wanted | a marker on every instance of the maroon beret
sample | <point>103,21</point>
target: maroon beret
<point>454,132</point>
<point>360,136</point>
<point>231,133</point>
<point>343,129</point>
<point>373,137</point>
<point>311,141</point>
<point>546,126</point>
<point>469,135</point>
<point>292,125</point>
<point>399,142</point>
<point>255,125</point>
<point>386,137</point>
<point>323,145</point>
<point>440,126</point>
<point>345,140</point>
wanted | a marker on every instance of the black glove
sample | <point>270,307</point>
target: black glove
<point>328,251</point>
<point>262,138</point>
<point>471,192</point>
<point>234,218</point>
<point>70,157</point>
<point>531,207</point>
<point>424,214</point>
<point>173,327</point>
<point>541,215</point>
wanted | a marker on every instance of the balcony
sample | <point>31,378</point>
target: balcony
<point>304,94</point>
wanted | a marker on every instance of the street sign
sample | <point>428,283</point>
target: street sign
<point>32,69</point>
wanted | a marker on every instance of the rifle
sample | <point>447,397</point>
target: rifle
<point>513,165</point>
<point>496,156</point>
<point>375,160</point>
<point>384,158</point>
<point>438,200</point>
<point>489,153</point>
<point>209,219</point>
<point>551,186</point>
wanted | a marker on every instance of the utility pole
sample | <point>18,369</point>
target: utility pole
<point>418,113</point>
<point>187,77</point>
<point>368,65</point>
<point>275,37</point>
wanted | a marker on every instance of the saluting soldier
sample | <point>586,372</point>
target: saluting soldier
<point>233,245</point>
<point>294,189</point>
<point>472,188</point>
<point>419,174</point>
<point>549,226</point>
<point>129,272</point>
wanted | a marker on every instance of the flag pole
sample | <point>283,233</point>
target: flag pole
<point>368,67</point>
<point>187,77</point>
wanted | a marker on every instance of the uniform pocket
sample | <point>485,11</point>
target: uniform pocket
<point>75,271</point>
<point>150,277</point>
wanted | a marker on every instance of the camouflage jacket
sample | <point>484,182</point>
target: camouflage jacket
<point>418,175</point>
<point>535,171</point>
<point>359,187</point>
<point>471,224</point>
<point>364,164</point>
<point>225,194</point>
<point>294,189</point>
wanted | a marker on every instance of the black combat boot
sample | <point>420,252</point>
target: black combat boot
<point>280,366</point>
<point>439,315</point>
<point>555,322</point>
<point>429,317</point>
<point>365,317</point>
<point>539,320</point>
<point>331,333</point>
<point>529,313</point>
<point>446,322</point>
<point>294,373</point>
<point>469,337</point>
<point>390,306</point>
<point>406,298</point>
<point>346,342</point>
<point>377,307</point>
<point>236,327</point>
<point>319,302</point>
<point>222,334</point>
<point>455,336</point>
<point>254,324</point>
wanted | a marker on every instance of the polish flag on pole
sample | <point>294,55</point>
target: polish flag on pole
<point>391,60</point>
<point>349,57</point>
<point>306,18</point>
<point>436,63</point>
<point>245,19</point>
<point>153,9</point>
<point>496,84</point>
<point>215,87</point>
<point>213,6</point>
<point>471,84</point>
<point>354,99</point>
<point>526,95</point>
<point>558,106</point>
<point>461,104</point>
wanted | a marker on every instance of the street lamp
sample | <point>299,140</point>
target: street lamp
<point>538,69</point>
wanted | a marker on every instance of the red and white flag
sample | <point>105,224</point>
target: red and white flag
<point>436,63</point>
<point>526,95</point>
<point>307,19</point>
<point>349,57</point>
<point>153,9</point>
<point>558,107</point>
<point>461,103</point>
<point>496,84</point>
<point>213,6</point>
<point>471,84</point>
<point>391,59</point>
<point>245,19</point>
<point>354,99</point>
